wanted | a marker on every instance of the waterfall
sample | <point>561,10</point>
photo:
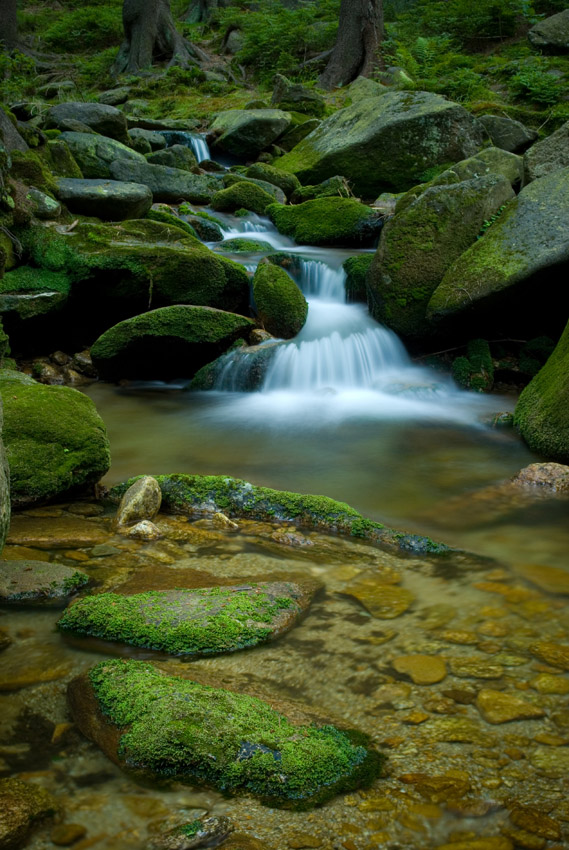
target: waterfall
<point>195,141</point>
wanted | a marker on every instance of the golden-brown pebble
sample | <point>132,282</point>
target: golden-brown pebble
<point>438,789</point>
<point>440,705</point>
<point>546,683</point>
<point>437,616</point>
<point>77,555</point>
<point>523,839</point>
<point>460,636</point>
<point>415,717</point>
<point>511,594</point>
<point>494,612</point>
<point>534,609</point>
<point>492,783</point>
<point>493,628</point>
<point>551,740</point>
<point>533,820</point>
<point>66,834</point>
<point>556,654</point>
<point>423,669</point>
<point>384,601</point>
<point>514,753</point>
<point>475,668</point>
<point>240,841</point>
<point>490,843</point>
<point>470,808</point>
<point>463,696</point>
<point>303,839</point>
<point>553,761</point>
<point>377,804</point>
<point>378,839</point>
<point>377,823</point>
<point>499,707</point>
<point>457,730</point>
<point>410,821</point>
<point>425,810</point>
<point>550,579</point>
<point>498,575</point>
<point>348,844</point>
<point>60,731</point>
<point>396,694</point>
<point>222,521</point>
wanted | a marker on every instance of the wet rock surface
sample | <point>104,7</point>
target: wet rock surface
<point>38,582</point>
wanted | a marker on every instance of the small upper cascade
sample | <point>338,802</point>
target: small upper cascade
<point>195,141</point>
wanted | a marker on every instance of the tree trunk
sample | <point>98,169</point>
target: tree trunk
<point>200,10</point>
<point>151,36</point>
<point>8,24</point>
<point>360,33</point>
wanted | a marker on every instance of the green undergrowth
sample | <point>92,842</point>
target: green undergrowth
<point>176,728</point>
<point>182,622</point>
<point>207,494</point>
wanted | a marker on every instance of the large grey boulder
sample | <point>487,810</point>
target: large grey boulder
<point>552,34</point>
<point>110,200</point>
<point>175,156</point>
<point>487,161</point>
<point>419,244</point>
<point>513,279</point>
<point>387,143</point>
<point>247,132</point>
<point>507,134</point>
<point>289,95</point>
<point>156,140</point>
<point>103,119</point>
<point>168,342</point>
<point>549,155</point>
<point>168,185</point>
<point>95,154</point>
<point>9,136</point>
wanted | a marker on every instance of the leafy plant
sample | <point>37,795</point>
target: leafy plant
<point>537,86</point>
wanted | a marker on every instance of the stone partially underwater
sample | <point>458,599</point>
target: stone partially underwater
<point>203,621</point>
<point>161,726</point>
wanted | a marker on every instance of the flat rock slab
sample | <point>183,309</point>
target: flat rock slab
<point>203,621</point>
<point>167,726</point>
<point>56,532</point>
<point>110,200</point>
<point>38,582</point>
<point>499,707</point>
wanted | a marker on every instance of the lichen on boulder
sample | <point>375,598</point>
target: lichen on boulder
<point>164,726</point>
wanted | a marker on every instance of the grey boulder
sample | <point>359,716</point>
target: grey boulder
<point>100,117</point>
<point>168,185</point>
<point>95,154</point>
<point>110,200</point>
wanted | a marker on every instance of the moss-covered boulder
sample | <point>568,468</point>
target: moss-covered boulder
<point>168,185</point>
<point>542,412</point>
<point>297,98</point>
<point>336,186</point>
<point>176,156</point>
<point>327,221</point>
<point>549,155</point>
<point>242,245</point>
<point>168,342</point>
<point>275,192</point>
<point>247,132</point>
<point>34,583</point>
<point>61,161</point>
<point>418,245</point>
<point>388,143</point>
<point>208,494</point>
<point>167,217</point>
<point>262,171</point>
<point>95,154</point>
<point>31,169</point>
<point>508,134</point>
<point>55,440</point>
<point>242,195</point>
<point>117,272</point>
<point>103,119</point>
<point>31,300</point>
<point>280,304</point>
<point>109,200</point>
<point>357,269</point>
<point>196,622</point>
<point>5,504</point>
<point>297,132</point>
<point>168,727</point>
<point>551,35</point>
<point>487,162</point>
<point>508,280</point>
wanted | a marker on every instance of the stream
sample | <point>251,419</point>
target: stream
<point>343,411</point>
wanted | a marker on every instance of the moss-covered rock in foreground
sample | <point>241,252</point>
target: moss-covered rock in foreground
<point>327,221</point>
<point>168,727</point>
<point>169,342</point>
<point>542,412</point>
<point>205,621</point>
<point>56,442</point>
<point>208,494</point>
<point>280,304</point>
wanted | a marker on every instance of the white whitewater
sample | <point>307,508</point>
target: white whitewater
<point>195,141</point>
<point>343,365</point>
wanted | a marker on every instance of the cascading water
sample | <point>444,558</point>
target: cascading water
<point>195,141</point>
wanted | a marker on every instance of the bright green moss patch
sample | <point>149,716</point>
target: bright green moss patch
<point>356,269</point>
<point>240,245</point>
<point>206,494</point>
<point>280,304</point>
<point>172,220</point>
<point>27,279</point>
<point>327,221</point>
<point>205,621</point>
<point>173,727</point>
<point>476,370</point>
<point>242,195</point>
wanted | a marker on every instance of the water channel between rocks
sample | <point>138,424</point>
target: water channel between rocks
<point>343,412</point>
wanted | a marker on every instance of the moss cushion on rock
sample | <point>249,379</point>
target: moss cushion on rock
<point>542,412</point>
<point>387,143</point>
<point>169,727</point>
<point>327,221</point>
<point>56,442</point>
<point>205,621</point>
<point>262,171</point>
<point>242,195</point>
<point>208,494</point>
<point>280,304</point>
<point>169,342</point>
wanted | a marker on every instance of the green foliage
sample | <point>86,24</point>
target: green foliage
<point>465,21</point>
<point>17,76</point>
<point>490,221</point>
<point>276,37</point>
<point>537,86</point>
<point>99,26</point>
<point>476,370</point>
